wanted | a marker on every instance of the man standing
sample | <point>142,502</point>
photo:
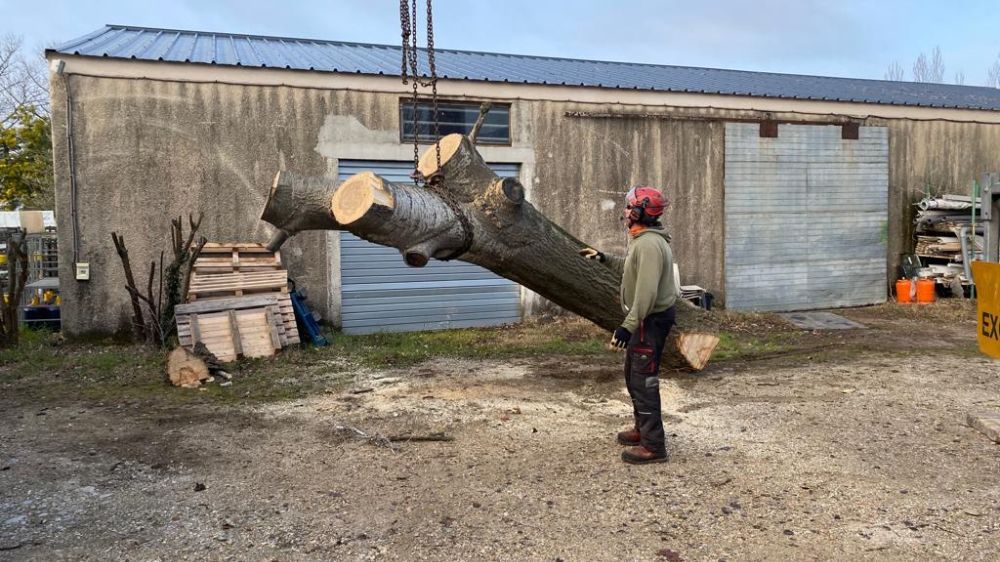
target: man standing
<point>648,295</point>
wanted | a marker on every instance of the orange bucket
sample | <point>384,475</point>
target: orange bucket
<point>903,291</point>
<point>925,291</point>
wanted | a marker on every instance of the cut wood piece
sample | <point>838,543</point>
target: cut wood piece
<point>298,203</point>
<point>466,211</point>
<point>694,347</point>
<point>185,369</point>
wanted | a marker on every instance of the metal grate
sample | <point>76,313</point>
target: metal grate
<point>43,257</point>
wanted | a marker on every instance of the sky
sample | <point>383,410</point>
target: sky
<point>851,38</point>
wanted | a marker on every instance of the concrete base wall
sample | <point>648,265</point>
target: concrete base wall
<point>147,150</point>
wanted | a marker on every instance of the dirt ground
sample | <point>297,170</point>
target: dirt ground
<point>794,445</point>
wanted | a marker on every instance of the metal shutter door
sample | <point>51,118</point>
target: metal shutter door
<point>806,214</point>
<point>380,293</point>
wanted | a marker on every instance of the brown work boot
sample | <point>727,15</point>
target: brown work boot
<point>642,455</point>
<point>629,437</point>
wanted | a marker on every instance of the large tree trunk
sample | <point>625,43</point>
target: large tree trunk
<point>467,212</point>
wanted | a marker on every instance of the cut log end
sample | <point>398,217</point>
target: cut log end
<point>449,146</point>
<point>513,190</point>
<point>415,258</point>
<point>695,348</point>
<point>185,369</point>
<point>358,195</point>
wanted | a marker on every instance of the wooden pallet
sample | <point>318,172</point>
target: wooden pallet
<point>219,257</point>
<point>277,305</point>
<point>237,283</point>
<point>290,332</point>
<point>230,334</point>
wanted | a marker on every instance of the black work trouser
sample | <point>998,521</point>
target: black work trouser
<point>642,376</point>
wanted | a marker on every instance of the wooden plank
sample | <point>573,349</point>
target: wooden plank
<point>257,341</point>
<point>239,277</point>
<point>195,330</point>
<point>235,303</point>
<point>217,336</point>
<point>272,330</point>
<point>234,326</point>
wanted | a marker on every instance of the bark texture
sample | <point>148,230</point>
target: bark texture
<point>298,203</point>
<point>468,212</point>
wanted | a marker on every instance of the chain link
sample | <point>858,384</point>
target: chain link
<point>410,73</point>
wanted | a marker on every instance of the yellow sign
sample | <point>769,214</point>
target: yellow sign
<point>987,277</point>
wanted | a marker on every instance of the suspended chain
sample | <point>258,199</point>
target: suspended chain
<point>409,71</point>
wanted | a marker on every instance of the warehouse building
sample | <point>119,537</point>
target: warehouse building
<point>788,192</point>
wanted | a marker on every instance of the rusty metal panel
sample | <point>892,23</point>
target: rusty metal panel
<point>806,214</point>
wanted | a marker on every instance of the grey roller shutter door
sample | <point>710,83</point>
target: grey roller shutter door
<point>380,293</point>
<point>806,217</point>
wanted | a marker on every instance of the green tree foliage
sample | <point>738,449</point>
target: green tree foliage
<point>26,160</point>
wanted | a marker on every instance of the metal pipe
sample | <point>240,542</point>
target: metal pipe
<point>963,237</point>
<point>74,215</point>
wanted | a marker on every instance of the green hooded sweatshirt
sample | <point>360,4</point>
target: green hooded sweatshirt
<point>648,278</point>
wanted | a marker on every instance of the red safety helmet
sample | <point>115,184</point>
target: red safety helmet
<point>642,202</point>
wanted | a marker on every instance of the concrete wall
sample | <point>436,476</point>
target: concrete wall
<point>147,149</point>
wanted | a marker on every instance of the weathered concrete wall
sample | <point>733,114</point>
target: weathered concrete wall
<point>935,157</point>
<point>147,150</point>
<point>586,165</point>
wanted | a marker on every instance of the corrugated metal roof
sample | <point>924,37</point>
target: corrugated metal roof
<point>125,42</point>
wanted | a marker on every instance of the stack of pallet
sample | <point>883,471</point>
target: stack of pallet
<point>238,303</point>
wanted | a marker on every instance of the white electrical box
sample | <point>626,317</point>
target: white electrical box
<point>82,271</point>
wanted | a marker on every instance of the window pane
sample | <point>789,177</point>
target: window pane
<point>456,118</point>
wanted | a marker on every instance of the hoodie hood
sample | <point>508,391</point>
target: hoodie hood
<point>659,231</point>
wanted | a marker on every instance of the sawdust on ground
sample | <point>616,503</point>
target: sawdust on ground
<point>851,447</point>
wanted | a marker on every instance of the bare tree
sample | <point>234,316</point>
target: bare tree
<point>936,70</point>
<point>993,74</point>
<point>895,72</point>
<point>921,69</point>
<point>929,69</point>
<point>23,79</point>
<point>960,78</point>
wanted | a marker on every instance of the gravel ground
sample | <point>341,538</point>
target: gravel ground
<point>807,456</point>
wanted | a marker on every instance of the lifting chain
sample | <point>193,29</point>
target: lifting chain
<point>410,73</point>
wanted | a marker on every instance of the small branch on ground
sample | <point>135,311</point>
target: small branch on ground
<point>438,436</point>
<point>377,440</point>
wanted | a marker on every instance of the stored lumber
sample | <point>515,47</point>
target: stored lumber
<point>469,213</point>
<point>185,369</point>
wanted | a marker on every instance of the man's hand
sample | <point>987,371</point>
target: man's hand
<point>592,254</point>
<point>621,338</point>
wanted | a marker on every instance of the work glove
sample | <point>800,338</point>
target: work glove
<point>592,254</point>
<point>621,337</point>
